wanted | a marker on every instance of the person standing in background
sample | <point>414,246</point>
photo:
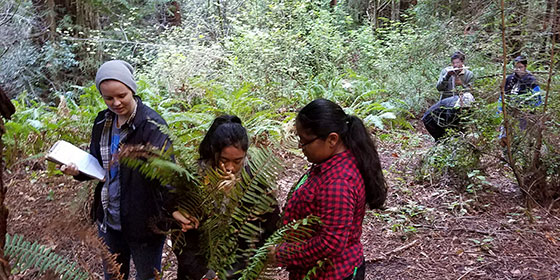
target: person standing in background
<point>521,90</point>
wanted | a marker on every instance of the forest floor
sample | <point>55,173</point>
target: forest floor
<point>430,229</point>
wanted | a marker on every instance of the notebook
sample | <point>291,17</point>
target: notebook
<point>65,153</point>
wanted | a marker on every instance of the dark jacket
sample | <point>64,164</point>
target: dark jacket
<point>527,82</point>
<point>517,89</point>
<point>141,199</point>
<point>191,263</point>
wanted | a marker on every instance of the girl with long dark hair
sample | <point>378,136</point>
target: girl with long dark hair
<point>345,175</point>
<point>224,148</point>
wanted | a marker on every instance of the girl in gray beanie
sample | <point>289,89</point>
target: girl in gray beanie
<point>125,201</point>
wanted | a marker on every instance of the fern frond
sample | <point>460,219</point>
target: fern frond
<point>156,164</point>
<point>302,227</point>
<point>227,206</point>
<point>312,273</point>
<point>26,255</point>
<point>235,212</point>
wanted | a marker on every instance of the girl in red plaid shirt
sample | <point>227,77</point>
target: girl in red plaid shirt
<point>345,175</point>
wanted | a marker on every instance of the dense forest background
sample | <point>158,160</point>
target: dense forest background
<point>264,59</point>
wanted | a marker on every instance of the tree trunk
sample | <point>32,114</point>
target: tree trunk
<point>81,12</point>
<point>407,4</point>
<point>7,110</point>
<point>51,12</point>
<point>175,8</point>
<point>548,21</point>
<point>4,263</point>
<point>510,159</point>
<point>395,10</point>
<point>170,14</point>
<point>373,14</point>
<point>85,14</point>
<point>556,22</point>
<point>536,173</point>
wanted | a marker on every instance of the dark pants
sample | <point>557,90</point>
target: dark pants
<point>433,128</point>
<point>191,264</point>
<point>360,273</point>
<point>146,256</point>
<point>438,121</point>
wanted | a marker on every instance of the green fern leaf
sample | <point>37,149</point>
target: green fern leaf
<point>26,255</point>
<point>226,217</point>
<point>258,262</point>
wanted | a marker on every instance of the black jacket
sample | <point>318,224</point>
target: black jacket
<point>527,82</point>
<point>141,199</point>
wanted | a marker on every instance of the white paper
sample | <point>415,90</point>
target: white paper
<point>65,153</point>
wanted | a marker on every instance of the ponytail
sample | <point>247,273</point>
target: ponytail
<point>358,140</point>
<point>322,117</point>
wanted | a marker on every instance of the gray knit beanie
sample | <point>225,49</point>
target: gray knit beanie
<point>116,70</point>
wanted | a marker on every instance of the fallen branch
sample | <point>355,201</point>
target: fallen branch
<point>552,205</point>
<point>471,270</point>
<point>394,251</point>
<point>475,231</point>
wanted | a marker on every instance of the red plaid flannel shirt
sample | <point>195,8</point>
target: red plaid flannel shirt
<point>335,192</point>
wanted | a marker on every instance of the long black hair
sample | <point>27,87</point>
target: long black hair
<point>225,131</point>
<point>322,117</point>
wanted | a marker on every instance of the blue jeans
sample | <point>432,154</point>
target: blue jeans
<point>146,256</point>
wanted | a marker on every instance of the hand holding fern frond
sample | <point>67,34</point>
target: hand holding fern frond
<point>186,221</point>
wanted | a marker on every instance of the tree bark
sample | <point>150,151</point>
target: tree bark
<point>537,176</point>
<point>4,264</point>
<point>407,4</point>
<point>556,21</point>
<point>395,10</point>
<point>175,8</point>
<point>81,12</point>
<point>373,13</point>
<point>510,158</point>
<point>170,14</point>
<point>51,12</point>
<point>548,21</point>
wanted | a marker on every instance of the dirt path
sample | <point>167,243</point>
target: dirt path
<point>427,231</point>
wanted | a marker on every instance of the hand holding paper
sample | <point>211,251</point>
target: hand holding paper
<point>70,169</point>
<point>75,159</point>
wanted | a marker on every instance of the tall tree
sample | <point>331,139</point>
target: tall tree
<point>6,111</point>
<point>395,10</point>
